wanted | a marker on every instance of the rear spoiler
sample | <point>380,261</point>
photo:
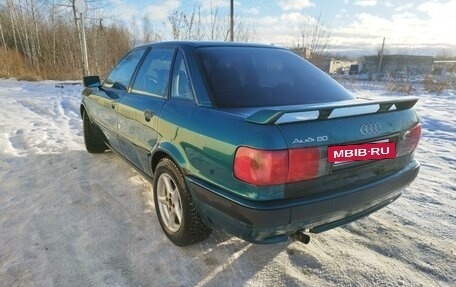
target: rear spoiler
<point>331,110</point>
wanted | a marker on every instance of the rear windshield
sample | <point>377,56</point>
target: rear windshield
<point>255,77</point>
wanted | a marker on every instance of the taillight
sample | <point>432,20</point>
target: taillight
<point>304,163</point>
<point>409,141</point>
<point>261,167</point>
<point>266,167</point>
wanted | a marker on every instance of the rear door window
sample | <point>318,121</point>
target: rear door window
<point>255,77</point>
<point>181,87</point>
<point>153,75</point>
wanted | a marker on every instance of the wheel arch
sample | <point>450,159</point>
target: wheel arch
<point>82,109</point>
<point>166,149</point>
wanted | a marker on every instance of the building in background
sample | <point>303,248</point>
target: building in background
<point>396,65</point>
<point>444,67</point>
<point>325,62</point>
<point>338,66</point>
<point>304,52</point>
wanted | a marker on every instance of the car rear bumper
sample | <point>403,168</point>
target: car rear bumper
<point>274,221</point>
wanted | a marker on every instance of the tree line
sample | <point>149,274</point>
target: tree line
<point>40,39</point>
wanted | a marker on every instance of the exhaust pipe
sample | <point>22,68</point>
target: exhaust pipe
<point>301,237</point>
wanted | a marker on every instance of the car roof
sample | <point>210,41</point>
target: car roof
<point>198,44</point>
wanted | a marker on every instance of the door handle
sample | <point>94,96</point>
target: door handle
<point>148,114</point>
<point>113,104</point>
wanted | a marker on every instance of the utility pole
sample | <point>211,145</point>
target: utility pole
<point>81,7</point>
<point>232,20</point>
<point>381,57</point>
<point>84,47</point>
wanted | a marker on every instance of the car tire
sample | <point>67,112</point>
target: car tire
<point>175,209</point>
<point>92,141</point>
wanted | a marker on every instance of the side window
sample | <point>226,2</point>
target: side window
<point>123,71</point>
<point>181,87</point>
<point>153,76</point>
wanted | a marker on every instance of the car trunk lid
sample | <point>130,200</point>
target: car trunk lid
<point>311,130</point>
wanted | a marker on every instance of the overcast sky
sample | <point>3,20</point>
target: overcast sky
<point>357,26</point>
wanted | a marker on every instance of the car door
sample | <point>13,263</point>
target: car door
<point>139,109</point>
<point>113,89</point>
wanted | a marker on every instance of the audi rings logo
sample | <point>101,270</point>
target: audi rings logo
<point>370,128</point>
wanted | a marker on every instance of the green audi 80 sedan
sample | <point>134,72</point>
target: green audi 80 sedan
<point>249,138</point>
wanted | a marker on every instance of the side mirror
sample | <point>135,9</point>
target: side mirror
<point>91,81</point>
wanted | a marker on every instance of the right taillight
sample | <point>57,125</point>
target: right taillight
<point>408,142</point>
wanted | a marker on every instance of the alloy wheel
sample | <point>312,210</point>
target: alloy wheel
<point>169,202</point>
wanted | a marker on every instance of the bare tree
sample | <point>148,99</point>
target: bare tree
<point>315,35</point>
<point>177,24</point>
<point>41,41</point>
<point>3,37</point>
<point>212,26</point>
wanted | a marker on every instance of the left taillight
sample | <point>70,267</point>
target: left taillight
<point>261,167</point>
<point>409,141</point>
<point>269,167</point>
<point>304,163</point>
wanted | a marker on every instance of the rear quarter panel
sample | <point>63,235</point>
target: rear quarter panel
<point>206,140</point>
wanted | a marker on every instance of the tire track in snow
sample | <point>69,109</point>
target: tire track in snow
<point>58,226</point>
<point>51,123</point>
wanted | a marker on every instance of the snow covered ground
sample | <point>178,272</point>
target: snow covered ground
<point>68,218</point>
